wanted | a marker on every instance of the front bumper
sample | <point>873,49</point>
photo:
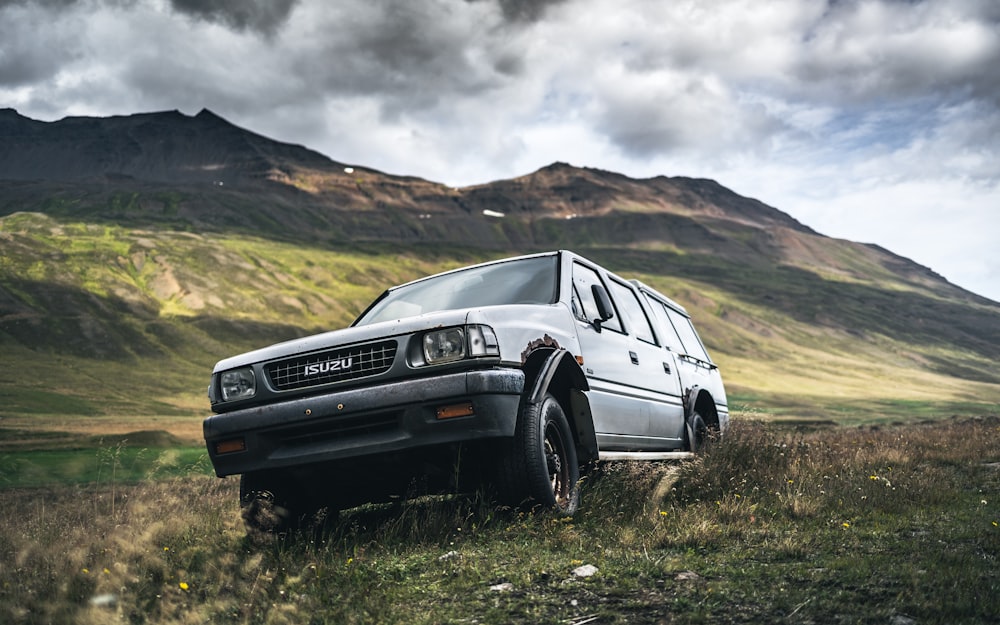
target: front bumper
<point>364,421</point>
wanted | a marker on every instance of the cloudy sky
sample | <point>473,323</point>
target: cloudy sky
<point>871,120</point>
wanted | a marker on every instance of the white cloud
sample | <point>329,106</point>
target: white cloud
<point>924,223</point>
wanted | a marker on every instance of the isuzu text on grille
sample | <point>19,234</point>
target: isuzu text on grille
<point>326,367</point>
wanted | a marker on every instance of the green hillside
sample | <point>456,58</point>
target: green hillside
<point>116,327</point>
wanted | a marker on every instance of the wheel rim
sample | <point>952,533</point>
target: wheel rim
<point>555,462</point>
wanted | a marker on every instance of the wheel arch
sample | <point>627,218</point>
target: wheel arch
<point>555,371</point>
<point>700,400</point>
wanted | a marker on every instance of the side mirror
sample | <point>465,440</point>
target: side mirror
<point>605,310</point>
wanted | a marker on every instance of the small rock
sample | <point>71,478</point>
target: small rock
<point>106,600</point>
<point>504,587</point>
<point>451,555</point>
<point>687,576</point>
<point>584,571</point>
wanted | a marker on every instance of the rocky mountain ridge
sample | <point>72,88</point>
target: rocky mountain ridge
<point>170,147</point>
<point>201,173</point>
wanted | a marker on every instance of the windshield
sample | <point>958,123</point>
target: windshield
<point>525,281</point>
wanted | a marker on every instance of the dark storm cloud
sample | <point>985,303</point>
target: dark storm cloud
<point>411,56</point>
<point>264,16</point>
<point>26,58</point>
<point>523,10</point>
<point>22,65</point>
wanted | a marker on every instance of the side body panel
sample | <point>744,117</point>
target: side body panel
<point>634,386</point>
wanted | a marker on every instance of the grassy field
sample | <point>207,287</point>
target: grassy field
<point>108,511</point>
<point>875,524</point>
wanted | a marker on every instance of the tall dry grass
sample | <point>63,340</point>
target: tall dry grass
<point>838,525</point>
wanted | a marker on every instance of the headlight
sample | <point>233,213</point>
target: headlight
<point>237,384</point>
<point>451,344</point>
<point>444,346</point>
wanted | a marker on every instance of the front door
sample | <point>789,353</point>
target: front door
<point>629,382</point>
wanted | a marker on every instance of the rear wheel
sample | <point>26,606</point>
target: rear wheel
<point>698,434</point>
<point>540,467</point>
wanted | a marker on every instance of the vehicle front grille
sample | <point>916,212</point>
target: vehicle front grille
<point>339,365</point>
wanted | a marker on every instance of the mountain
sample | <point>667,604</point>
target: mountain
<point>212,167</point>
<point>167,147</point>
<point>150,245</point>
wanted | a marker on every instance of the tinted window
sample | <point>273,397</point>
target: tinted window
<point>525,281</point>
<point>584,306</point>
<point>668,336</point>
<point>631,309</point>
<point>692,344</point>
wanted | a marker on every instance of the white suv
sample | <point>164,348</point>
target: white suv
<point>512,373</point>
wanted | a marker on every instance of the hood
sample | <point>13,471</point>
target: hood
<point>346,337</point>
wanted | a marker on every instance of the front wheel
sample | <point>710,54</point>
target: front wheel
<point>540,468</point>
<point>271,503</point>
<point>263,506</point>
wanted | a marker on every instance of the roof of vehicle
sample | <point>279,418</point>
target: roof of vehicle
<point>641,285</point>
<point>660,296</point>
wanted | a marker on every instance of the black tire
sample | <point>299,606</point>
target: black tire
<point>539,468</point>
<point>267,506</point>
<point>697,433</point>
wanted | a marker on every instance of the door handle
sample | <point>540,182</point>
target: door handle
<point>635,357</point>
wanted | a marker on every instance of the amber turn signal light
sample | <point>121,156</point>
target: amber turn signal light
<point>230,446</point>
<point>457,410</point>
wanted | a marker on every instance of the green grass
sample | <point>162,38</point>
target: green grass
<point>835,525</point>
<point>120,463</point>
<point>786,408</point>
<point>34,400</point>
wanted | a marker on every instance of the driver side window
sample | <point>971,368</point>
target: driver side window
<point>584,306</point>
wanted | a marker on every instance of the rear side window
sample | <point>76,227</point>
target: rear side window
<point>689,338</point>
<point>584,306</point>
<point>667,333</point>
<point>631,309</point>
